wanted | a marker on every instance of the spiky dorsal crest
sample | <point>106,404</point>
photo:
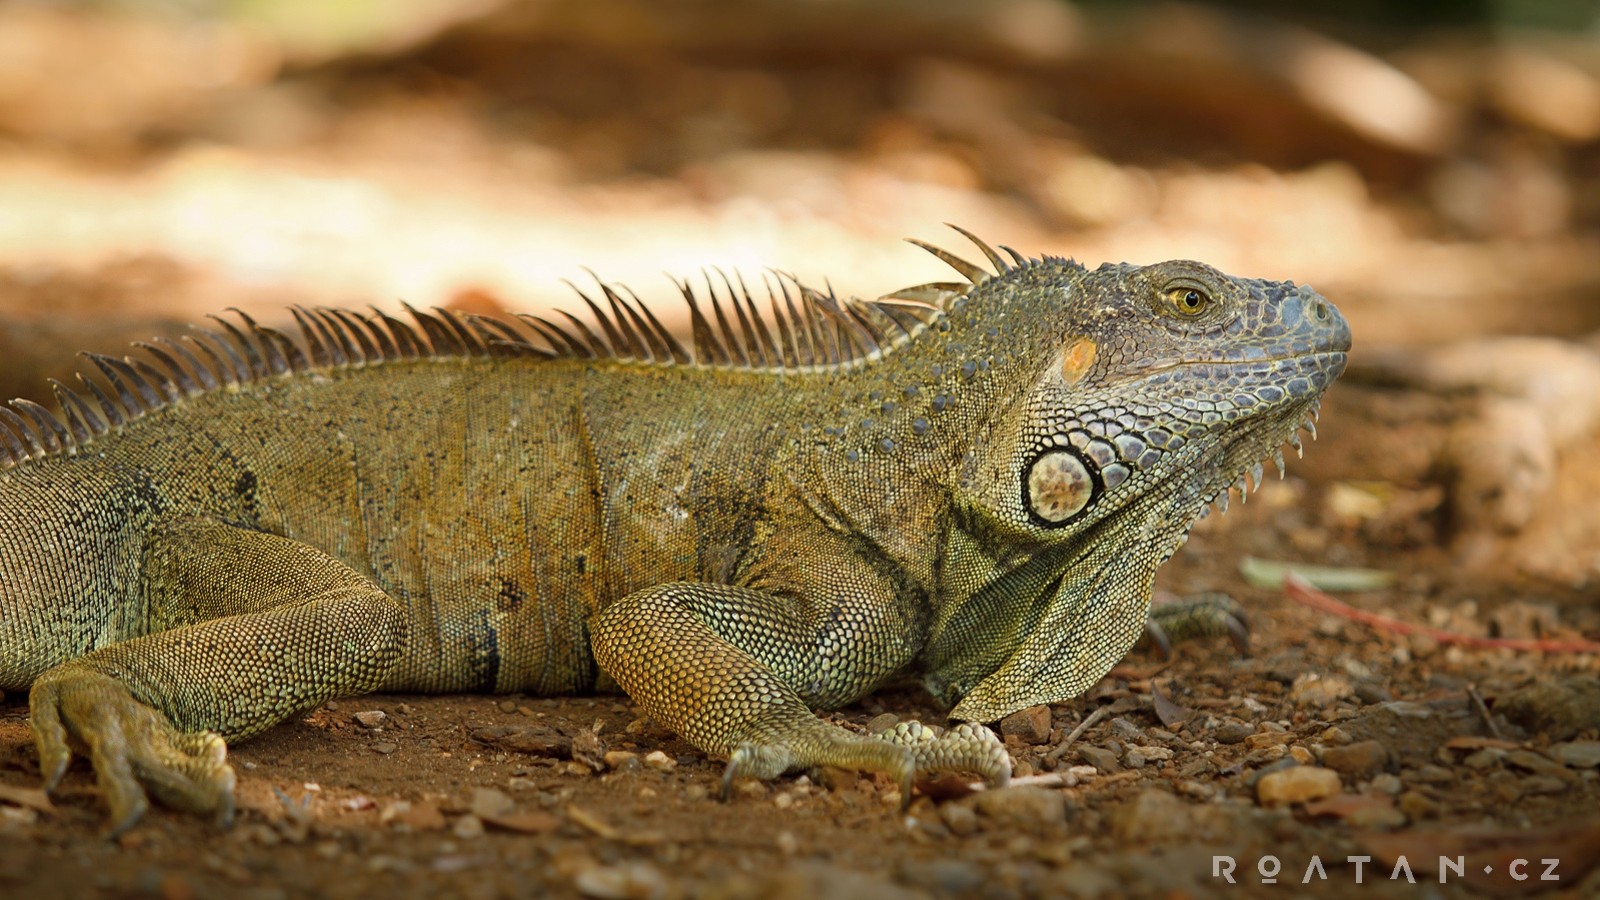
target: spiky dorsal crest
<point>942,293</point>
<point>810,329</point>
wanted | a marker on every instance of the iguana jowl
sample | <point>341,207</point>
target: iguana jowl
<point>968,483</point>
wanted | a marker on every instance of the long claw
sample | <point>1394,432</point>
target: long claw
<point>729,773</point>
<point>1157,636</point>
<point>51,738</point>
<point>225,811</point>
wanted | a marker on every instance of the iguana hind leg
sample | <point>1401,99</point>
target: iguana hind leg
<point>244,629</point>
<point>732,668</point>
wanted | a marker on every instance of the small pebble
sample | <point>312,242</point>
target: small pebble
<point>1417,805</point>
<point>1431,774</point>
<point>1360,760</point>
<point>1126,730</point>
<point>1577,754</point>
<point>1315,690</point>
<point>1262,740</point>
<point>1334,736</point>
<point>1030,726</point>
<point>959,818</point>
<point>882,722</point>
<point>1536,763</point>
<point>1542,784</point>
<point>1233,732</point>
<point>1376,816</point>
<point>371,718</point>
<point>625,881</point>
<point>659,761</point>
<point>488,802</point>
<point>1387,784</point>
<point>1153,815</point>
<point>1371,692</point>
<point>467,827</point>
<point>1102,759</point>
<point>1296,785</point>
<point>620,760</point>
<point>1021,810</point>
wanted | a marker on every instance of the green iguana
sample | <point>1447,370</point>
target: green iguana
<point>968,484</point>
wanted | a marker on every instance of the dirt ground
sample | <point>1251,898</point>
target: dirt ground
<point>479,154</point>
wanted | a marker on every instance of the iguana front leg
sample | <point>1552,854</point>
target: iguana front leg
<point>246,629</point>
<point>733,670</point>
<point>1208,615</point>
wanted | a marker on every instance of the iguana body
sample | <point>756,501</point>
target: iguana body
<point>972,484</point>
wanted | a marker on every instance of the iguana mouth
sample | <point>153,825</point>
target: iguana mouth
<point>1334,358</point>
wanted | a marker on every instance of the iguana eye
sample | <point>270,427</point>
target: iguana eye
<point>1057,486</point>
<point>1187,301</point>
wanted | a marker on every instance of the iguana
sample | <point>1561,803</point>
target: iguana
<point>970,484</point>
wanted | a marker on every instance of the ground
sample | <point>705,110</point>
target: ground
<point>477,164</point>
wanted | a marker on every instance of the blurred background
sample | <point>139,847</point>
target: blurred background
<point>1433,167</point>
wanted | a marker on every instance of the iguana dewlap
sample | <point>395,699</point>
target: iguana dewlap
<point>971,484</point>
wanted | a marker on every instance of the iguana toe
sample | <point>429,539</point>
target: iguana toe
<point>906,752</point>
<point>824,745</point>
<point>135,750</point>
<point>965,748</point>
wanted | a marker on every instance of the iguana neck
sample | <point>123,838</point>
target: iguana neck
<point>884,456</point>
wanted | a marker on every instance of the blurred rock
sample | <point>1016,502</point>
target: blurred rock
<point>809,880</point>
<point>1535,85</point>
<point>1360,760</point>
<point>1030,726</point>
<point>1558,709</point>
<point>635,880</point>
<point>1027,810</point>
<point>1296,784</point>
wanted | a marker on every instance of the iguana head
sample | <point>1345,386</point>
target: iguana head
<point>1146,393</point>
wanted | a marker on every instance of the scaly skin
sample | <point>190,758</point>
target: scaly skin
<point>980,503</point>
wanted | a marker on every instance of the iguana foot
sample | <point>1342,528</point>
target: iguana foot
<point>1198,616</point>
<point>134,749</point>
<point>905,752</point>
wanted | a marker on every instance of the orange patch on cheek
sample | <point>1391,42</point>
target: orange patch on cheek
<point>1076,359</point>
